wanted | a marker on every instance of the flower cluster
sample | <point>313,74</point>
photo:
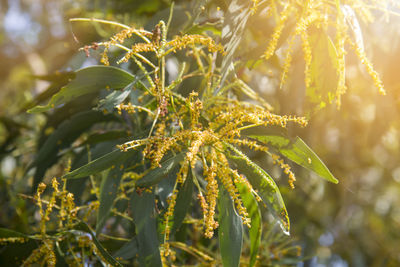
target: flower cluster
<point>286,169</point>
<point>199,126</point>
<point>59,204</point>
<point>321,15</point>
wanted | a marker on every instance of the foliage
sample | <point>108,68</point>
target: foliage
<point>163,139</point>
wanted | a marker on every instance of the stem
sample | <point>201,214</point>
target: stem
<point>138,33</point>
<point>250,126</point>
<point>100,21</point>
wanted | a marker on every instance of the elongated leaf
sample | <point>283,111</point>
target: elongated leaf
<point>298,152</point>
<point>183,201</point>
<point>76,186</point>
<point>129,250</point>
<point>157,174</point>
<point>5,233</point>
<point>143,207</point>
<point>113,158</point>
<point>105,255</point>
<point>115,98</point>
<point>323,69</point>
<point>14,253</point>
<point>265,187</point>
<point>63,137</point>
<point>108,192</point>
<point>68,131</point>
<point>104,137</point>
<point>58,80</point>
<point>88,80</point>
<point>255,231</point>
<point>230,231</point>
<point>235,22</point>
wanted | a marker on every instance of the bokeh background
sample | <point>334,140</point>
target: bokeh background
<point>354,223</point>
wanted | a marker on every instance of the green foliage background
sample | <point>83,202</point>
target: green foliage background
<point>353,223</point>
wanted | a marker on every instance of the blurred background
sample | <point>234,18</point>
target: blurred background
<point>354,223</point>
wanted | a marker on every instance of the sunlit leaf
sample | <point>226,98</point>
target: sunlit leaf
<point>88,80</point>
<point>230,231</point>
<point>265,187</point>
<point>232,32</point>
<point>255,231</point>
<point>323,69</point>
<point>299,152</point>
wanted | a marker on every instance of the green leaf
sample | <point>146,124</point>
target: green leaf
<point>57,79</point>
<point>14,253</point>
<point>255,231</point>
<point>75,186</point>
<point>323,69</point>
<point>105,255</point>
<point>110,135</point>
<point>113,158</point>
<point>183,201</point>
<point>129,250</point>
<point>232,32</point>
<point>205,27</point>
<point>5,233</point>
<point>230,231</point>
<point>63,137</point>
<point>115,98</point>
<point>143,207</point>
<point>298,152</point>
<point>156,175</point>
<point>265,187</point>
<point>108,192</point>
<point>88,80</point>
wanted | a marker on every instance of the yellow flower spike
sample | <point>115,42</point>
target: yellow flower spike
<point>285,167</point>
<point>287,61</point>
<point>369,67</point>
<point>277,32</point>
<point>212,191</point>
<point>181,42</point>
<point>224,174</point>
<point>341,29</point>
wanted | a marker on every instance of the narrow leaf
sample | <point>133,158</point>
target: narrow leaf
<point>88,80</point>
<point>113,158</point>
<point>129,250</point>
<point>157,174</point>
<point>110,259</point>
<point>298,152</point>
<point>12,253</point>
<point>143,207</point>
<point>232,32</point>
<point>5,233</point>
<point>265,187</point>
<point>323,69</point>
<point>108,192</point>
<point>115,98</point>
<point>63,137</point>
<point>255,231</point>
<point>230,231</point>
<point>183,201</point>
